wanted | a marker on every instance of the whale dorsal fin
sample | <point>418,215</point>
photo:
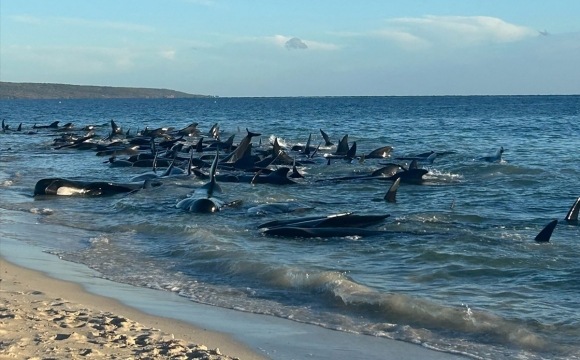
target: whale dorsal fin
<point>276,147</point>
<point>546,233</point>
<point>342,147</point>
<point>295,173</point>
<point>213,184</point>
<point>199,145</point>
<point>391,195</point>
<point>230,141</point>
<point>572,215</point>
<point>190,163</point>
<point>307,147</point>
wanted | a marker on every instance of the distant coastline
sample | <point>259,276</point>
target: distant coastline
<point>11,90</point>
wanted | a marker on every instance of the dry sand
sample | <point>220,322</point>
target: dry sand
<point>45,318</point>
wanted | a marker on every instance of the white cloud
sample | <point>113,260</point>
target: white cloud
<point>26,19</point>
<point>169,54</point>
<point>454,31</point>
<point>403,38</point>
<point>74,59</point>
<point>105,24</point>
<point>462,30</point>
<point>69,21</point>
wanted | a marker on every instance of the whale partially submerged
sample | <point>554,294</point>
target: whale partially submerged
<point>336,225</point>
<point>66,187</point>
<point>203,199</point>
<point>494,158</point>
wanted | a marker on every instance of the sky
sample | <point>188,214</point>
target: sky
<point>241,48</point>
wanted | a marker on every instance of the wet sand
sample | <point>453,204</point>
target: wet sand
<point>42,317</point>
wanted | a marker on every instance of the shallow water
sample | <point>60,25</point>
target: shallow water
<point>468,279</point>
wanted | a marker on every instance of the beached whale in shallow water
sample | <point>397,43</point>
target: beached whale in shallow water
<point>337,225</point>
<point>277,177</point>
<point>203,200</point>
<point>379,153</point>
<point>65,187</point>
<point>278,208</point>
<point>321,232</point>
<point>336,220</point>
<point>53,125</point>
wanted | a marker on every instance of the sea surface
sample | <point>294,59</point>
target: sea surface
<point>456,270</point>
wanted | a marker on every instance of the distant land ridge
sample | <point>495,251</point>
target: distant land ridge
<point>11,90</point>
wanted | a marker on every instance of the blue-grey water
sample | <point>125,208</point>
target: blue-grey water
<point>466,279</point>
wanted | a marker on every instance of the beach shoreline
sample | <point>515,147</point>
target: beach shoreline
<point>41,315</point>
<point>234,333</point>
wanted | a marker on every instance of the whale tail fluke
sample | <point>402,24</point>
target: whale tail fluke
<point>546,233</point>
<point>326,139</point>
<point>351,153</point>
<point>252,134</point>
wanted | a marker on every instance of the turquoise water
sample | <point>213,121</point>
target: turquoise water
<point>468,279</point>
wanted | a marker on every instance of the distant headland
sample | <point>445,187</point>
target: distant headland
<point>11,90</point>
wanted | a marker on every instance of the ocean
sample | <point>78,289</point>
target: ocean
<point>456,270</point>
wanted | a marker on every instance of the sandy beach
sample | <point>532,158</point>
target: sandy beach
<point>41,317</point>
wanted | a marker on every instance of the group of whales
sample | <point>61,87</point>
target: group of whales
<point>241,164</point>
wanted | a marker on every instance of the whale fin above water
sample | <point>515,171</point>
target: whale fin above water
<point>572,216</point>
<point>342,147</point>
<point>546,233</point>
<point>351,153</point>
<point>242,147</point>
<point>307,147</point>
<point>326,138</point>
<point>199,145</point>
<point>314,152</point>
<point>213,185</point>
<point>391,195</point>
<point>295,174</point>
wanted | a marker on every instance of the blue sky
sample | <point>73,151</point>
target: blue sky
<point>296,48</point>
